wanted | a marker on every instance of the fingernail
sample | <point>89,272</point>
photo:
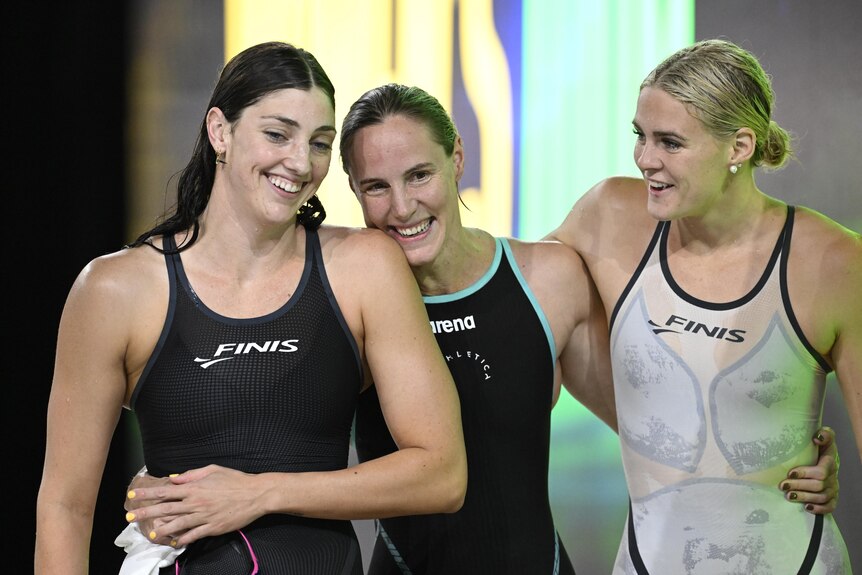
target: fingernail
<point>793,475</point>
<point>153,535</point>
<point>793,496</point>
<point>173,475</point>
<point>130,516</point>
<point>820,437</point>
<point>785,487</point>
<point>173,542</point>
<point>809,507</point>
<point>131,494</point>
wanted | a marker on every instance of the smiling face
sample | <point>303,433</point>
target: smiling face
<point>277,152</point>
<point>407,186</point>
<point>685,167</point>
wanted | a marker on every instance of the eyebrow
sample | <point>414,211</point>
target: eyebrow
<point>428,166</point>
<point>294,124</point>
<point>661,133</point>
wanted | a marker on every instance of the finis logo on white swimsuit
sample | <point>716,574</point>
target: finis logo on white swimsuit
<point>452,325</point>
<point>677,324</point>
<point>235,349</point>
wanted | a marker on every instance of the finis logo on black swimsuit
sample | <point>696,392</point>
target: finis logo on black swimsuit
<point>234,349</point>
<point>677,324</point>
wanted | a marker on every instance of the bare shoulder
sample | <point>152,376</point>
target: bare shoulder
<point>122,276</point>
<point>617,193</point>
<point>610,197</point>
<point>557,276</point>
<point>613,208</point>
<point>127,290</point>
<point>360,245</point>
<point>825,247</point>
<point>363,265</point>
<point>547,261</point>
<point>824,277</point>
<point>112,318</point>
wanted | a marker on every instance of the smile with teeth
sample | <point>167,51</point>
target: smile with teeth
<point>658,186</point>
<point>285,185</point>
<point>414,230</point>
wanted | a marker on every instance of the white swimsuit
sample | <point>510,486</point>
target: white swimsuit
<point>716,402</point>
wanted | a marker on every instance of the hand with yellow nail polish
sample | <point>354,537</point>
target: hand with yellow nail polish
<point>141,481</point>
<point>150,527</point>
<point>202,502</point>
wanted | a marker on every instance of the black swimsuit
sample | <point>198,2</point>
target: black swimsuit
<point>499,348</point>
<point>270,394</point>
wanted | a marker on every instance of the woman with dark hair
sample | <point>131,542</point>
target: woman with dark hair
<point>722,327</point>
<point>241,333</point>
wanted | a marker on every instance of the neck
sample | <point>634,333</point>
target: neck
<point>463,260</point>
<point>245,249</point>
<point>735,220</point>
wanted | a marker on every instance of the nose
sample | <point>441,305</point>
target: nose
<point>403,204</point>
<point>646,157</point>
<point>298,159</point>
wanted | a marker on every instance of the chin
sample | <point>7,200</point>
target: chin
<point>418,260</point>
<point>659,211</point>
<point>419,255</point>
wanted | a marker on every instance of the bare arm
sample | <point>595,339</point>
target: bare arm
<point>86,399</point>
<point>600,228</point>
<point>834,253</point>
<point>847,349</point>
<point>559,280</point>
<point>419,401</point>
<point>585,360</point>
<point>569,296</point>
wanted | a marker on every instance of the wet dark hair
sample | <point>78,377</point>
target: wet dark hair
<point>246,79</point>
<point>377,104</point>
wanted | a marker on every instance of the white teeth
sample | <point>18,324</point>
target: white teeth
<point>417,229</point>
<point>285,185</point>
<point>658,186</point>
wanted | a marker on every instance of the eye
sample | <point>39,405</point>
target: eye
<point>420,176</point>
<point>639,134</point>
<point>671,145</point>
<point>274,136</point>
<point>376,189</point>
<point>321,146</point>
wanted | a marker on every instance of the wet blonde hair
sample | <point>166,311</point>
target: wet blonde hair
<point>725,87</point>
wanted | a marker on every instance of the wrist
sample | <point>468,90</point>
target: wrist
<point>274,493</point>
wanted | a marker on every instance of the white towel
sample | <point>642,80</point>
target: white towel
<point>143,557</point>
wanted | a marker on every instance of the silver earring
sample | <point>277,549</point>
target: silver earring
<point>733,168</point>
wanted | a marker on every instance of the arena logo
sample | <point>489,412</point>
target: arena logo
<point>452,325</point>
<point>690,326</point>
<point>235,349</point>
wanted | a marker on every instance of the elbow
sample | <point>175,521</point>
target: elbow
<point>454,488</point>
<point>456,494</point>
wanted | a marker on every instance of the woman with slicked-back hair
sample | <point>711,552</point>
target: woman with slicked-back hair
<point>727,309</point>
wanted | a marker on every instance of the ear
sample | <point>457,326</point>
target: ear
<point>218,130</point>
<point>458,158</point>
<point>744,142</point>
